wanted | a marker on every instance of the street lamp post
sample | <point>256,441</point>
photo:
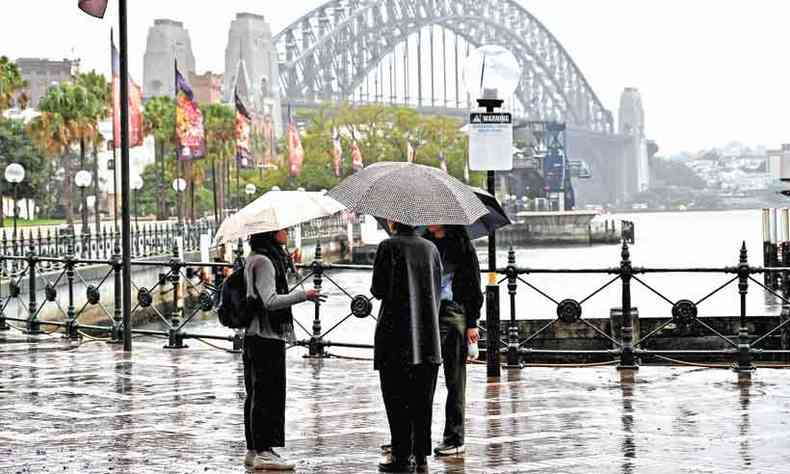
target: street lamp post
<point>179,186</point>
<point>14,174</point>
<point>83,179</point>
<point>491,73</point>
<point>136,184</point>
<point>249,190</point>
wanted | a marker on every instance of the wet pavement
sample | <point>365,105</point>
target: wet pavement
<point>91,408</point>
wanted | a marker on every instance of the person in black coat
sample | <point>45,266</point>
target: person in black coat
<point>407,349</point>
<point>462,299</point>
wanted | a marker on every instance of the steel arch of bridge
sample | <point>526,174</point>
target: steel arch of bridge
<point>327,53</point>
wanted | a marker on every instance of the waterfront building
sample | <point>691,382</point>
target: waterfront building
<point>167,42</point>
<point>41,73</point>
<point>635,172</point>
<point>207,87</point>
<point>251,62</point>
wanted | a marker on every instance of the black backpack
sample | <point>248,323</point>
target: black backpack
<point>236,310</point>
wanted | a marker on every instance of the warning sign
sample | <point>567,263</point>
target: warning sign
<point>490,141</point>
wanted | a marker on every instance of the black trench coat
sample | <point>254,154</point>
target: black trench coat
<point>407,277</point>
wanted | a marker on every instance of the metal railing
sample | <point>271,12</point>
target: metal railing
<point>175,276</point>
<point>626,349</point>
<point>147,240</point>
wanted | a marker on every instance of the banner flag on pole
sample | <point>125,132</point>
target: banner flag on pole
<point>337,155</point>
<point>295,150</point>
<point>243,133</point>
<point>93,7</point>
<point>135,104</point>
<point>356,157</point>
<point>189,122</point>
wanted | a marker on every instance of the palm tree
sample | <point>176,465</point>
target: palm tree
<point>71,109</point>
<point>219,122</point>
<point>11,84</point>
<point>160,121</point>
<point>101,91</point>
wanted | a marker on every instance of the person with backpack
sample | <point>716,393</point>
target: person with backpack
<point>265,273</point>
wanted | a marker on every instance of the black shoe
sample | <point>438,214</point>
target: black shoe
<point>396,465</point>
<point>422,464</point>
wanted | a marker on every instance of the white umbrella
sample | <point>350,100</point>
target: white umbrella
<point>276,210</point>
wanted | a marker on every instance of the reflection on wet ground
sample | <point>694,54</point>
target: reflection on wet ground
<point>91,408</point>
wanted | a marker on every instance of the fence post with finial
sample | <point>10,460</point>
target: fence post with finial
<point>743,367</point>
<point>513,357</point>
<point>33,326</point>
<point>627,366</point>
<point>316,349</point>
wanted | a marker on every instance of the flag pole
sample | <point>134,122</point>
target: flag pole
<point>126,246</point>
<point>178,158</point>
<point>114,160</point>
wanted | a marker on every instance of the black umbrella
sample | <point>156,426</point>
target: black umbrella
<point>409,193</point>
<point>495,218</point>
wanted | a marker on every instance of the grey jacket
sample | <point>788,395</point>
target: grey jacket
<point>260,270</point>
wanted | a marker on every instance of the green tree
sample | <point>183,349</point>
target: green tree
<point>11,84</point>
<point>382,133</point>
<point>16,146</point>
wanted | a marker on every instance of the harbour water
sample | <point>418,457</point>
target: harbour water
<point>663,240</point>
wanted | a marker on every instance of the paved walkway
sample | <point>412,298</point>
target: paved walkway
<point>91,408</point>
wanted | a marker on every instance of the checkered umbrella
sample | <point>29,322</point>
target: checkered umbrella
<point>409,193</point>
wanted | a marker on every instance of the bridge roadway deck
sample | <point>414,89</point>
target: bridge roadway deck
<point>91,408</point>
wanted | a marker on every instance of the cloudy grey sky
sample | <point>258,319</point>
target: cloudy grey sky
<point>710,71</point>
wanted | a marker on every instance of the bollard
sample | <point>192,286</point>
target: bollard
<point>627,367</point>
<point>513,359</point>
<point>743,367</point>
<point>316,349</point>
<point>70,331</point>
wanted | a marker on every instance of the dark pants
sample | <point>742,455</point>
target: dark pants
<point>408,398</point>
<point>452,327</point>
<point>264,381</point>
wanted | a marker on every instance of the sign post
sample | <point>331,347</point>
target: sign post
<point>490,73</point>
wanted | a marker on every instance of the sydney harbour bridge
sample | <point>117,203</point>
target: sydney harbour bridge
<point>411,52</point>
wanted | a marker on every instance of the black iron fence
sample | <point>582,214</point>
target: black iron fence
<point>187,289</point>
<point>146,239</point>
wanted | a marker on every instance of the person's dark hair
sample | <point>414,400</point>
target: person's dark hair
<point>399,227</point>
<point>265,243</point>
